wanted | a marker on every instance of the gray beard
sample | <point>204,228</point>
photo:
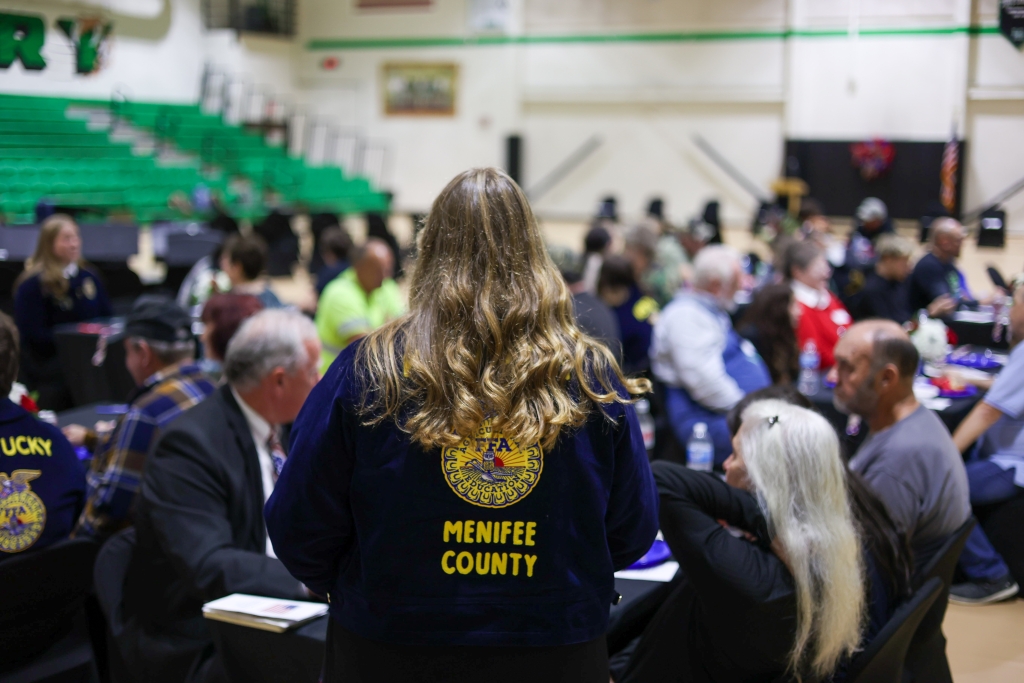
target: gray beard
<point>862,402</point>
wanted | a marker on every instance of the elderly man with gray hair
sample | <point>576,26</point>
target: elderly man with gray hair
<point>705,366</point>
<point>200,530</point>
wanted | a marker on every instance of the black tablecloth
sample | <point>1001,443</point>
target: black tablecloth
<point>296,656</point>
<point>88,415</point>
<point>254,656</point>
<point>977,334</point>
<point>109,382</point>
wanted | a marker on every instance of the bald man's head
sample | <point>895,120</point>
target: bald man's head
<point>947,236</point>
<point>374,263</point>
<point>875,366</point>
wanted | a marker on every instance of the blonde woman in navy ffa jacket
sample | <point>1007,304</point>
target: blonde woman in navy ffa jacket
<point>464,481</point>
<point>56,287</point>
<point>42,483</point>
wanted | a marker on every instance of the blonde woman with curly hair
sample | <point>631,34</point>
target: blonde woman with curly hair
<point>56,287</point>
<point>780,595</point>
<point>465,480</point>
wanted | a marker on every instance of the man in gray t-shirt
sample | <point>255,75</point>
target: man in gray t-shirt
<point>915,469</point>
<point>909,461</point>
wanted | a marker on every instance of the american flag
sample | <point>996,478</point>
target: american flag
<point>279,609</point>
<point>950,164</point>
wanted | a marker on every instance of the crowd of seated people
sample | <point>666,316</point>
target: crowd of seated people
<point>192,462</point>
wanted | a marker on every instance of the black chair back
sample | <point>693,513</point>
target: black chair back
<point>112,564</point>
<point>43,591</point>
<point>882,660</point>
<point>111,569</point>
<point>926,657</point>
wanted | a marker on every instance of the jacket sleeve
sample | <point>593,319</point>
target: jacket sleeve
<point>308,515</point>
<point>719,564</point>
<point>185,500</point>
<point>115,474</point>
<point>631,520</point>
<point>103,306</point>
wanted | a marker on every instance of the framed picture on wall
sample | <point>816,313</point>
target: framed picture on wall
<point>420,89</point>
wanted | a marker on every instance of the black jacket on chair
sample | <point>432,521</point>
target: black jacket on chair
<point>200,536</point>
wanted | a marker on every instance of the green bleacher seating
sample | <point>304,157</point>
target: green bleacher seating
<point>46,155</point>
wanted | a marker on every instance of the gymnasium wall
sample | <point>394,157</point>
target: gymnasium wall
<point>644,76</point>
<point>157,52</point>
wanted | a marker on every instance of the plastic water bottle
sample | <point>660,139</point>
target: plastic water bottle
<point>643,415</point>
<point>810,379</point>
<point>700,451</point>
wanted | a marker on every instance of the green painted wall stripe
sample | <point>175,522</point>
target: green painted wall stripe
<point>686,37</point>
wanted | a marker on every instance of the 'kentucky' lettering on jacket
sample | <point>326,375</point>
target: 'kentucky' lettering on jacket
<point>25,445</point>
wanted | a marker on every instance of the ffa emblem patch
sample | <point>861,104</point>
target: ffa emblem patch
<point>644,308</point>
<point>88,289</point>
<point>491,470</point>
<point>22,513</point>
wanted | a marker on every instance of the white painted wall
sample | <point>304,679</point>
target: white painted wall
<point>158,51</point>
<point>646,99</point>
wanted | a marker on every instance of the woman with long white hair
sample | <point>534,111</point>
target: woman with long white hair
<point>780,594</point>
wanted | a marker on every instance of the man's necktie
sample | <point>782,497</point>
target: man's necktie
<point>277,454</point>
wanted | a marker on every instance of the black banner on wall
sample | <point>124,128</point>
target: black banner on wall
<point>910,187</point>
<point>1011,21</point>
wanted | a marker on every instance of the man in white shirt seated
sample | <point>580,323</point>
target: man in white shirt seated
<point>705,365</point>
<point>200,529</point>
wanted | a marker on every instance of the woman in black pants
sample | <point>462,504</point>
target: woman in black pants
<point>779,593</point>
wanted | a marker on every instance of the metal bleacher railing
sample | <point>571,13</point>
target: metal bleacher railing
<point>319,141</point>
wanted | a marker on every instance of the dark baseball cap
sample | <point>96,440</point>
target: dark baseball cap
<point>158,319</point>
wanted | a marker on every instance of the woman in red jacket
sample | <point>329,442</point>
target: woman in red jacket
<point>823,318</point>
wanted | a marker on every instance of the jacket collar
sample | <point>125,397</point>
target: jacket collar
<point>10,411</point>
<point>258,427</point>
<point>810,297</point>
<point>182,369</point>
<point>254,476</point>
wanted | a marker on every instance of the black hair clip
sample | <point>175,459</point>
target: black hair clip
<point>772,421</point>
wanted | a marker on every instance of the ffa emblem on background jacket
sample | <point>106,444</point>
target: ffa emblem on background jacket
<point>491,470</point>
<point>88,289</point>
<point>22,513</point>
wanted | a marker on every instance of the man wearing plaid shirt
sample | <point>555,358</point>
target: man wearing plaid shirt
<point>159,350</point>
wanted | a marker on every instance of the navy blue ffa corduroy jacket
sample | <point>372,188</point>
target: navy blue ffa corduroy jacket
<point>493,542</point>
<point>42,483</point>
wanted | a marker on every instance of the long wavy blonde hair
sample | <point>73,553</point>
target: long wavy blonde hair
<point>44,261</point>
<point>792,458</point>
<point>490,331</point>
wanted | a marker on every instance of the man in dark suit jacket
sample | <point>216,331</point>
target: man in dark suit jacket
<point>200,529</point>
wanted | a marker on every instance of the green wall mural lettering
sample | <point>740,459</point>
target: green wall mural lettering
<point>22,37</point>
<point>89,37</point>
